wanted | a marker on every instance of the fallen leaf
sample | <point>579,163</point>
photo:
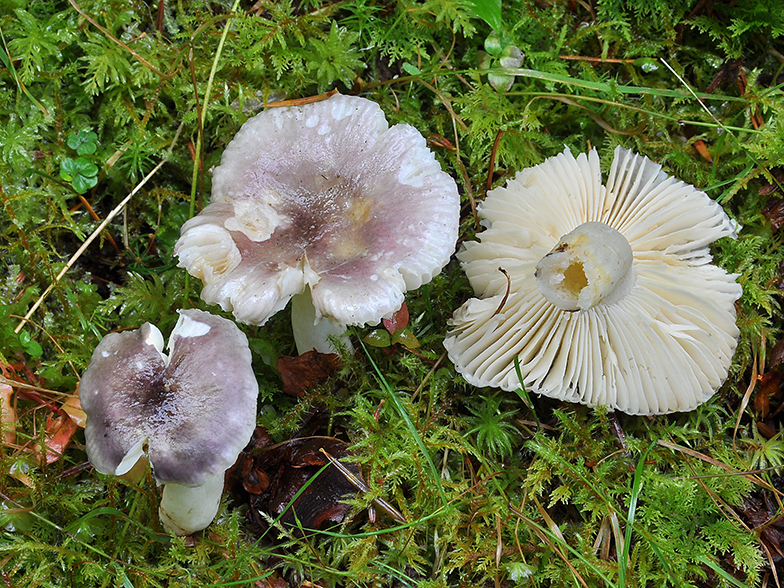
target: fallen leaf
<point>406,339</point>
<point>760,512</point>
<point>8,417</point>
<point>378,338</point>
<point>778,180</point>
<point>768,386</point>
<point>774,212</point>
<point>766,430</point>
<point>306,370</point>
<point>702,149</point>
<point>288,468</point>
<point>398,321</point>
<point>73,407</point>
<point>59,431</point>
<point>271,583</point>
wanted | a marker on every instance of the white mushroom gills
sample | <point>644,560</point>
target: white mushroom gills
<point>590,265</point>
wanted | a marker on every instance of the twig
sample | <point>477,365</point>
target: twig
<point>86,244</point>
<point>362,487</point>
<point>599,59</point>
<point>300,101</point>
<point>491,165</point>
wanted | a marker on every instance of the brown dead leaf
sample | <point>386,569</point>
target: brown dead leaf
<point>778,181</point>
<point>774,212</point>
<point>768,386</point>
<point>73,408</point>
<point>777,356</point>
<point>272,583</point>
<point>398,321</point>
<point>702,149</point>
<point>8,418</point>
<point>287,468</point>
<point>59,431</point>
<point>766,430</point>
<point>760,512</point>
<point>306,370</point>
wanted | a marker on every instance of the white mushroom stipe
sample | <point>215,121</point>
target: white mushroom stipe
<point>607,294</point>
<point>186,509</point>
<point>313,332</point>
<point>325,197</point>
<point>589,265</point>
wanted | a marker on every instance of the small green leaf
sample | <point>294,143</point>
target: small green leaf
<point>519,572</point>
<point>81,172</point>
<point>493,44</point>
<point>81,183</point>
<point>410,69</point>
<point>86,168</point>
<point>501,82</point>
<point>31,346</point>
<point>406,339</point>
<point>68,169</point>
<point>646,64</point>
<point>83,142</point>
<point>378,338</point>
<point>489,11</point>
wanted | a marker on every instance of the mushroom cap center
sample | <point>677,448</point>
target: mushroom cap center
<point>331,220</point>
<point>590,265</point>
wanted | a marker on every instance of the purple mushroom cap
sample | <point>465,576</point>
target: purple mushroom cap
<point>192,412</point>
<point>328,197</point>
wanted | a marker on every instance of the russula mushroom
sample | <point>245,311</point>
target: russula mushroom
<point>326,204</point>
<point>605,294</point>
<point>191,412</point>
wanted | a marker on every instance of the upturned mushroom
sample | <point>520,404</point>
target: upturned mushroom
<point>191,411</point>
<point>327,205</point>
<point>605,295</point>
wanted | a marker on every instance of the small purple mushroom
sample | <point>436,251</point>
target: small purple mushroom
<point>191,412</point>
<point>325,204</point>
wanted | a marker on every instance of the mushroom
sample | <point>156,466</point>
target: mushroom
<point>190,412</point>
<point>325,204</point>
<point>604,294</point>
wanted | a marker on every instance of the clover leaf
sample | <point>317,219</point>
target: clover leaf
<point>84,142</point>
<point>82,173</point>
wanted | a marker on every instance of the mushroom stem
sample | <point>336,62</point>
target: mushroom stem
<point>592,264</point>
<point>185,509</point>
<point>311,332</point>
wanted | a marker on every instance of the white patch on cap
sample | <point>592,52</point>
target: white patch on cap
<point>257,218</point>
<point>312,120</point>
<point>187,327</point>
<point>342,108</point>
<point>154,338</point>
<point>134,454</point>
<point>411,174</point>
